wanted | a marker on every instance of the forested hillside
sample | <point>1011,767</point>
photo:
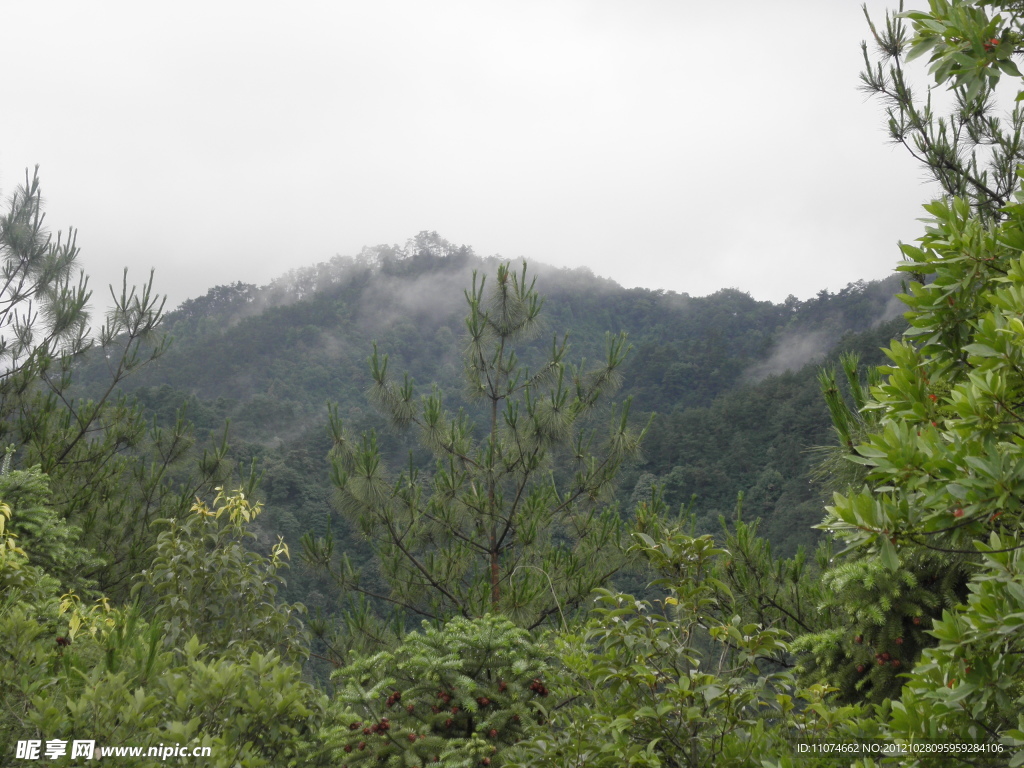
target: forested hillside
<point>418,507</point>
<point>732,379</point>
<point>297,339</point>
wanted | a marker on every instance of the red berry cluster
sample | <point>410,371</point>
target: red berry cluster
<point>991,45</point>
<point>394,698</point>
<point>885,658</point>
<point>538,687</point>
<point>63,641</point>
<point>382,727</point>
<point>377,728</point>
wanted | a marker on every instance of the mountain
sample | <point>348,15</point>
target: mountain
<point>732,379</point>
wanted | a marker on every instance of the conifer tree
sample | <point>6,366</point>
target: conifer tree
<point>43,293</point>
<point>778,593</point>
<point>89,447</point>
<point>879,621</point>
<point>515,514</point>
<point>459,695</point>
<point>971,152</point>
<point>874,619</point>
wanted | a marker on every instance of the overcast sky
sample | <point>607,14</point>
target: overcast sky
<point>662,143</point>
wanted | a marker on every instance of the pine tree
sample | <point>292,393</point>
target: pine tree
<point>972,152</point>
<point>515,515</point>
<point>110,473</point>
<point>43,295</point>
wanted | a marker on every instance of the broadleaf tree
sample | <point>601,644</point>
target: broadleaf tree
<point>515,515</point>
<point>682,681</point>
<point>181,676</point>
<point>944,463</point>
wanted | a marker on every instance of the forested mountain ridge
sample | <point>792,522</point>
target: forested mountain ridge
<point>732,378</point>
<point>304,338</point>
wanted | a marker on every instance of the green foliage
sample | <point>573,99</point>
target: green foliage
<point>40,530</point>
<point>457,696</point>
<point>204,582</point>
<point>253,711</point>
<point>944,462</point>
<point>969,49</point>
<point>971,152</point>
<point>19,581</point>
<point>880,620</point>
<point>677,682</point>
<point>763,440</point>
<point>109,475</point>
<point>43,313</point>
<point>851,422</point>
<point>774,593</point>
<point>516,514</point>
<point>106,673</point>
<point>971,683</point>
<point>943,491</point>
<point>112,475</point>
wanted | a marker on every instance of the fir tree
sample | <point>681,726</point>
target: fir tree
<point>453,696</point>
<point>879,621</point>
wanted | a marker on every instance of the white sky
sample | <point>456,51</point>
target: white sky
<point>662,143</point>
